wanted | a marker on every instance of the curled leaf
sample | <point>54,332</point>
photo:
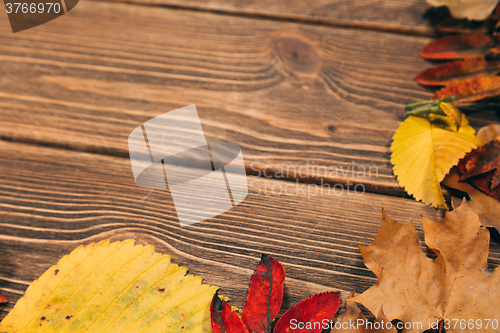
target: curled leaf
<point>423,152</point>
<point>468,9</point>
<point>488,133</point>
<point>452,112</point>
<point>458,70</point>
<point>265,295</point>
<point>224,319</point>
<point>458,47</point>
<point>113,287</point>
<point>471,90</point>
<point>311,313</point>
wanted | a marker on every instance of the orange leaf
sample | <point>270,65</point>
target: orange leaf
<point>449,72</point>
<point>471,90</point>
<point>3,299</point>
<point>458,47</point>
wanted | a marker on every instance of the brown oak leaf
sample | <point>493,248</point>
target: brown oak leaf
<point>456,287</point>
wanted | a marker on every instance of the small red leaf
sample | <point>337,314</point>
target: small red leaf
<point>310,313</point>
<point>449,72</point>
<point>264,295</point>
<point>223,319</point>
<point>471,90</point>
<point>458,47</point>
<point>3,299</point>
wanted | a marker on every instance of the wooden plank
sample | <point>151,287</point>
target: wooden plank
<point>52,200</point>
<point>386,15</point>
<point>291,95</point>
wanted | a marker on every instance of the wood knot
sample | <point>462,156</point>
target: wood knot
<point>297,55</point>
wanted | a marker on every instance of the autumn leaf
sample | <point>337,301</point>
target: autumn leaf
<point>265,295</point>
<point>355,322</point>
<point>312,313</point>
<point>488,133</point>
<point>224,319</point>
<point>424,150</point>
<point>471,90</point>
<point>452,112</point>
<point>113,287</point>
<point>458,47</point>
<point>485,206</point>
<point>459,70</point>
<point>3,299</point>
<point>468,9</point>
<point>413,288</point>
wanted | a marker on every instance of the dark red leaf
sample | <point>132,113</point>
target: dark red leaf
<point>449,72</point>
<point>471,90</point>
<point>481,160</point>
<point>313,314</point>
<point>223,319</point>
<point>3,299</point>
<point>458,47</point>
<point>480,168</point>
<point>265,295</point>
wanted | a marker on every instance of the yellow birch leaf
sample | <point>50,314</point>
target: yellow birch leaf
<point>113,287</point>
<point>423,152</point>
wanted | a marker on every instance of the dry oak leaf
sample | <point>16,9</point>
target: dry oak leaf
<point>113,287</point>
<point>423,152</point>
<point>355,322</point>
<point>469,9</point>
<point>416,289</point>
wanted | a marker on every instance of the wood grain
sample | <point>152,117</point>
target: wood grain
<point>386,15</point>
<point>290,95</point>
<point>52,200</point>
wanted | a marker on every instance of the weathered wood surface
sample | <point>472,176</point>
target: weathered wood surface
<point>52,200</point>
<point>289,94</point>
<point>386,15</point>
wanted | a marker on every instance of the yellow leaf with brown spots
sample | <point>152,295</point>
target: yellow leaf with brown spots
<point>113,287</point>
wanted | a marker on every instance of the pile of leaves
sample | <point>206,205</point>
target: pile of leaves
<point>437,136</point>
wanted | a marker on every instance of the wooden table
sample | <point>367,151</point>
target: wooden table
<point>292,83</point>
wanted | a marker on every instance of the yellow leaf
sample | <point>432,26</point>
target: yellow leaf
<point>457,287</point>
<point>423,152</point>
<point>113,287</point>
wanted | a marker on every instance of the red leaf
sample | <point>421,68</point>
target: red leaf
<point>264,295</point>
<point>471,90</point>
<point>481,160</point>
<point>223,319</point>
<point>3,299</point>
<point>458,47</point>
<point>481,169</point>
<point>449,72</point>
<point>311,312</point>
